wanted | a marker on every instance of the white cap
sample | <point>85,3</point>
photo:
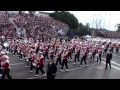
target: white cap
<point>40,52</point>
<point>2,52</point>
<point>5,56</point>
<point>65,49</point>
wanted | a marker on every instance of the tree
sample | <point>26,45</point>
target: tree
<point>98,23</point>
<point>83,30</point>
<point>87,25</point>
<point>66,17</point>
<point>97,33</point>
<point>118,27</point>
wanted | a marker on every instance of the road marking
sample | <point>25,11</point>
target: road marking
<point>116,55</point>
<point>73,68</point>
<point>100,67</point>
<point>115,63</point>
<point>112,62</point>
<point>112,66</point>
<point>63,71</point>
<point>16,64</point>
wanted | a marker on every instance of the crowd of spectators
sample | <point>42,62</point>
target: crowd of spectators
<point>25,25</point>
<point>38,27</point>
<point>109,34</point>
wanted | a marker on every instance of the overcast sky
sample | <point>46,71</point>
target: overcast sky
<point>108,18</point>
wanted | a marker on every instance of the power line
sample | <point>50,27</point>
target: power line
<point>93,19</point>
<point>109,21</point>
<point>100,20</point>
<point>104,19</point>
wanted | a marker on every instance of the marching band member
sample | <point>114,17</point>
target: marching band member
<point>84,58</point>
<point>100,53</point>
<point>112,47</point>
<point>69,52</point>
<point>64,60</point>
<point>12,47</point>
<point>33,58</point>
<point>51,53</point>
<point>37,49</point>
<point>6,67</point>
<point>26,52</point>
<point>40,64</point>
<point>45,52</point>
<point>59,54</point>
<point>97,54</point>
<point>73,49</point>
<point>88,49</point>
<point>6,44</point>
<point>19,51</point>
<point>117,48</point>
<point>29,56</point>
<point>105,49</point>
<point>77,54</point>
<point>93,53</point>
<point>22,51</point>
<point>0,48</point>
<point>56,48</point>
<point>15,48</point>
<point>41,48</point>
<point>1,59</point>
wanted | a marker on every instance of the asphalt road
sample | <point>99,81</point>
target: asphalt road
<point>91,71</point>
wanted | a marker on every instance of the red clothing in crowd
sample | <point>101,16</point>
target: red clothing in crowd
<point>57,46</point>
<point>100,51</point>
<point>51,52</point>
<point>65,55</point>
<point>96,50</point>
<point>33,58</point>
<point>6,65</point>
<point>77,51</point>
<point>46,49</point>
<point>53,45</point>
<point>59,54</point>
<point>16,46</point>
<point>70,49</point>
<point>85,54</point>
<point>40,60</point>
<point>0,59</point>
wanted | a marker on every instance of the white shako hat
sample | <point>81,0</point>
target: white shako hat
<point>5,56</point>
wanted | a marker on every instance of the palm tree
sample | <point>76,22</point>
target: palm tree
<point>32,12</point>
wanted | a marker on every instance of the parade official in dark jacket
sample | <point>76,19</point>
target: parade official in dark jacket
<point>108,59</point>
<point>51,69</point>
